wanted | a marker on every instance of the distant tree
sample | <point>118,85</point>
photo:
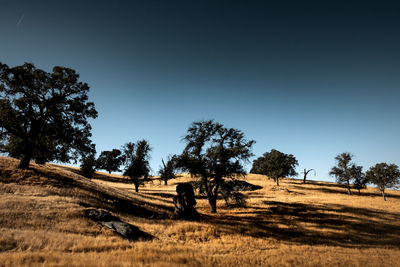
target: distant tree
<point>137,166</point>
<point>213,153</point>
<point>110,160</point>
<point>88,164</point>
<point>384,176</point>
<point>275,165</point>
<point>44,116</point>
<point>167,170</point>
<point>344,170</point>
<point>305,172</point>
<point>256,168</point>
<point>360,182</point>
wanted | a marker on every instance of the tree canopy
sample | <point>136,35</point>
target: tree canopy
<point>384,176</point>
<point>345,170</point>
<point>44,116</point>
<point>110,160</point>
<point>167,170</point>
<point>213,153</point>
<point>275,165</point>
<point>137,166</point>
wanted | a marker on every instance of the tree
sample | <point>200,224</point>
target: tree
<point>110,160</point>
<point>167,170</point>
<point>88,166</point>
<point>360,182</point>
<point>137,166</point>
<point>44,116</point>
<point>384,176</point>
<point>305,172</point>
<point>276,165</point>
<point>344,170</point>
<point>213,153</point>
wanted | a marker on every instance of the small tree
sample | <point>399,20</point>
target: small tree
<point>360,182</point>
<point>167,170</point>
<point>137,166</point>
<point>213,153</point>
<point>276,165</point>
<point>88,163</point>
<point>384,176</point>
<point>305,172</point>
<point>343,170</point>
<point>44,116</point>
<point>88,166</point>
<point>110,160</point>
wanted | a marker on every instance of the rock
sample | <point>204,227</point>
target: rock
<point>184,202</point>
<point>123,229</point>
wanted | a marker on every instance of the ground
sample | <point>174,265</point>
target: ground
<point>42,223</point>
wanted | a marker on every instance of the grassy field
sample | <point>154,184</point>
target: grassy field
<point>42,223</point>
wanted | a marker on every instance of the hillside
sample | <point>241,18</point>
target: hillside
<point>42,222</point>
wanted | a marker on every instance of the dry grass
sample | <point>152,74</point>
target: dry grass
<point>42,223</point>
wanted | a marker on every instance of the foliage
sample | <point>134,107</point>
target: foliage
<point>360,182</point>
<point>137,166</point>
<point>213,152</point>
<point>88,165</point>
<point>345,170</point>
<point>275,164</point>
<point>44,116</point>
<point>384,176</point>
<point>167,171</point>
<point>110,160</point>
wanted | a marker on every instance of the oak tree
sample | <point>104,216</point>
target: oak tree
<point>137,166</point>
<point>44,115</point>
<point>214,153</point>
<point>384,176</point>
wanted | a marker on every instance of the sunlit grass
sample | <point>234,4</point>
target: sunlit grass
<point>42,223</point>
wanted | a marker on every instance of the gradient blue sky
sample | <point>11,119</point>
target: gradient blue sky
<point>310,78</point>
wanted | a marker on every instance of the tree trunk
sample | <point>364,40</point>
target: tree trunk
<point>383,194</point>
<point>136,183</point>
<point>24,163</point>
<point>348,188</point>
<point>213,204</point>
<point>305,176</point>
<point>277,181</point>
<point>359,192</point>
<point>165,182</point>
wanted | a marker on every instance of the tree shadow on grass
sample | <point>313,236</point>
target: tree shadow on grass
<point>333,225</point>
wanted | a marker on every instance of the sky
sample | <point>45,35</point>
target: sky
<point>308,78</point>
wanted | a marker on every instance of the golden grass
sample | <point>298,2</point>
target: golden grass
<point>42,223</point>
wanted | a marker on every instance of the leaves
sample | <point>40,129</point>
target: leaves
<point>43,115</point>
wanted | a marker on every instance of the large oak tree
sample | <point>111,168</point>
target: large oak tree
<point>213,153</point>
<point>44,115</point>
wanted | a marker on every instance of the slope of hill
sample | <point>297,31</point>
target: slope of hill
<point>42,222</point>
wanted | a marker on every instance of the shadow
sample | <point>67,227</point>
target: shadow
<point>333,225</point>
<point>90,194</point>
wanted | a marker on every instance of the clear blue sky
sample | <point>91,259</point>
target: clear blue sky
<point>310,78</point>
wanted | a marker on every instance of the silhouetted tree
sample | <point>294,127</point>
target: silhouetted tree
<point>305,172</point>
<point>360,182</point>
<point>88,164</point>
<point>137,166</point>
<point>167,170</point>
<point>275,165</point>
<point>213,153</point>
<point>110,160</point>
<point>344,170</point>
<point>44,116</point>
<point>384,176</point>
